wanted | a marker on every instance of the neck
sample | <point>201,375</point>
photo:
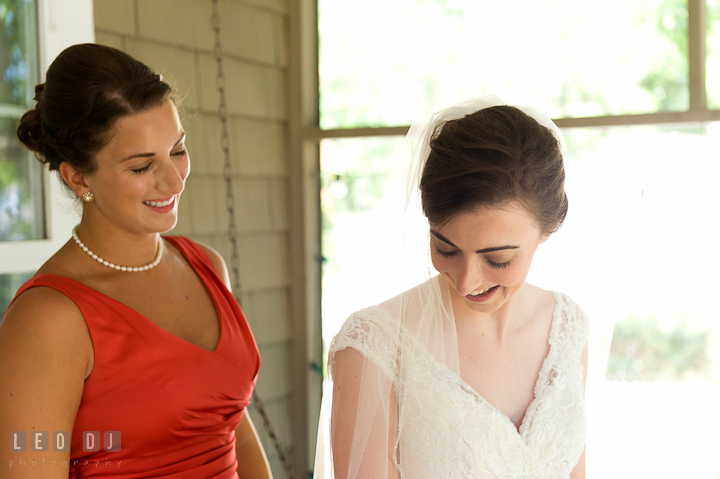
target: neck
<point>117,245</point>
<point>498,324</point>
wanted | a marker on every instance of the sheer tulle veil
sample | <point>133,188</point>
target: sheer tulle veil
<point>365,407</point>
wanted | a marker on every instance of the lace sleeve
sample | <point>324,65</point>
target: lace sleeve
<point>573,328</point>
<point>375,335</point>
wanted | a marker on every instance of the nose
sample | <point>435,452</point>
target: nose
<point>468,277</point>
<point>174,173</point>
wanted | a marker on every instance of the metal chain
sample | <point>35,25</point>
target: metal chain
<point>225,146</point>
<point>257,403</point>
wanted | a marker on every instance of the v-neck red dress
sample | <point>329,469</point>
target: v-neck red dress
<point>175,404</point>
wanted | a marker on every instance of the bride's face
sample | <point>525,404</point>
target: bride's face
<point>485,255</point>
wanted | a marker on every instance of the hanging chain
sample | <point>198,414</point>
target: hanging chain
<point>257,403</point>
<point>225,146</point>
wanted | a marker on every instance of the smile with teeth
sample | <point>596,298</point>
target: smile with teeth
<point>159,203</point>
<point>481,291</point>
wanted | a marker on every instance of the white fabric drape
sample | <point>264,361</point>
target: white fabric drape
<point>367,362</point>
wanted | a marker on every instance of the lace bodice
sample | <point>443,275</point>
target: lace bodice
<point>446,429</point>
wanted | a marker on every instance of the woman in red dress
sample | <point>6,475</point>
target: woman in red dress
<point>126,354</point>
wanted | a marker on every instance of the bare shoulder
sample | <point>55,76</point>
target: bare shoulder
<point>41,308</point>
<point>217,261</point>
<point>47,322</point>
<point>212,253</point>
<point>539,300</point>
<point>43,374</point>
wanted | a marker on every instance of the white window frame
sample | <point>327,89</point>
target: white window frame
<point>60,23</point>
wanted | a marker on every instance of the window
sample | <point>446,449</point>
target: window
<point>21,204</point>
<point>36,216</point>
<point>634,85</point>
<point>562,56</point>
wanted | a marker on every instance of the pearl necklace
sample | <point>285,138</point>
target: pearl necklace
<point>135,269</point>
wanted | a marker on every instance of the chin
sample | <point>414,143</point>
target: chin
<point>160,227</point>
<point>169,228</point>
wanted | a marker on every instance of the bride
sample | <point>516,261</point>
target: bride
<point>473,373</point>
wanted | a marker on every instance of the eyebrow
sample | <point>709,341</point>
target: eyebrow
<point>147,155</point>
<point>480,251</point>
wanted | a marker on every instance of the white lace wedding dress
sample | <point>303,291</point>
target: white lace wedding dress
<point>446,429</point>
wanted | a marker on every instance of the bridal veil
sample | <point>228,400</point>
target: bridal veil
<point>364,414</point>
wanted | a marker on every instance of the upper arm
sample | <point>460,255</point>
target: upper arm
<point>245,432</point>
<point>362,447</point>
<point>579,471</point>
<point>43,360</point>
<point>584,361</point>
<point>252,461</point>
<point>218,263</point>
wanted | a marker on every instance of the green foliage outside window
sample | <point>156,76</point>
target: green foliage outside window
<point>668,81</point>
<point>21,204</point>
<point>355,175</point>
<point>643,350</point>
<point>571,60</point>
<point>17,55</point>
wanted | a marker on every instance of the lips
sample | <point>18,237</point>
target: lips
<point>480,292</point>
<point>163,206</point>
<point>484,296</point>
<point>160,204</point>
<point>483,292</point>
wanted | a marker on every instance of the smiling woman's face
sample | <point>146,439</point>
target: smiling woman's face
<point>489,251</point>
<point>141,172</point>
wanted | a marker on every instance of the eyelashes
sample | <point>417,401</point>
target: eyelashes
<point>492,264</point>
<point>498,265</point>
<point>444,254</point>
<point>142,170</point>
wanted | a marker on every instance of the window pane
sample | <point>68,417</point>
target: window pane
<point>637,251</point>
<point>21,192</point>
<point>21,185</point>
<point>360,189</point>
<point>381,63</point>
<point>18,51</point>
<point>712,64</point>
<point>9,284</point>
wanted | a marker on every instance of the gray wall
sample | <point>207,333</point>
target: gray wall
<point>175,38</point>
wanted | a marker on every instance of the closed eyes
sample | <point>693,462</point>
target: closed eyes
<point>145,168</point>
<point>492,264</point>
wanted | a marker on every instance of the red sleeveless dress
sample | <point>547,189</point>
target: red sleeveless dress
<point>175,404</point>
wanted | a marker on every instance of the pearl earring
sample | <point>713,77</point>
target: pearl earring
<point>87,197</point>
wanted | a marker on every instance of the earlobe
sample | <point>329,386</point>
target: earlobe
<point>73,178</point>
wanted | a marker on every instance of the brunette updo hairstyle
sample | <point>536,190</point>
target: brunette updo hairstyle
<point>87,89</point>
<point>489,158</point>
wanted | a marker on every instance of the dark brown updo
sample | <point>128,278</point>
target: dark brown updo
<point>489,158</point>
<point>87,89</point>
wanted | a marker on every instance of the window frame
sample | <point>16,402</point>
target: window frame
<point>698,111</point>
<point>60,23</point>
